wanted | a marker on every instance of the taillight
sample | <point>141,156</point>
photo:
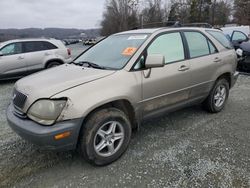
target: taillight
<point>69,52</point>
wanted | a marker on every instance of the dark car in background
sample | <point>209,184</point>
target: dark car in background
<point>240,40</point>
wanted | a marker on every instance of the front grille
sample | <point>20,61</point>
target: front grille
<point>19,99</point>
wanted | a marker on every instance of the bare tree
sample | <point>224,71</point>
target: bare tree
<point>153,12</point>
<point>119,15</point>
<point>242,12</point>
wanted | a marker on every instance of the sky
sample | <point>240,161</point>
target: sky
<point>80,14</point>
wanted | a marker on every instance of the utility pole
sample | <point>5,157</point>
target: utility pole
<point>213,12</point>
<point>200,11</point>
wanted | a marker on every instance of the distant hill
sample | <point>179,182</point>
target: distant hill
<point>58,33</point>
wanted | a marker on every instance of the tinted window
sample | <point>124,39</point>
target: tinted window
<point>221,38</point>
<point>11,49</point>
<point>49,46</point>
<point>198,44</point>
<point>37,46</point>
<point>170,45</point>
<point>237,35</point>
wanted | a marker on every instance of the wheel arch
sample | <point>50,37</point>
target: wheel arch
<point>53,60</point>
<point>121,104</point>
<point>226,76</point>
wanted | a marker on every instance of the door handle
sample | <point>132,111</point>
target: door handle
<point>183,68</point>
<point>217,60</point>
<point>20,58</point>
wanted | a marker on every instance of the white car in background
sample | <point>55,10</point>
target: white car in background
<point>25,56</point>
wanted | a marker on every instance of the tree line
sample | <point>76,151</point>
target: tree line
<point>121,15</point>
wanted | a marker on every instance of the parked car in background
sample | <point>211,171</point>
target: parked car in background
<point>229,30</point>
<point>239,36</point>
<point>94,103</point>
<point>24,56</point>
<point>90,42</point>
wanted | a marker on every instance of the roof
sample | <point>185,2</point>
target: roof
<point>153,30</point>
<point>26,40</point>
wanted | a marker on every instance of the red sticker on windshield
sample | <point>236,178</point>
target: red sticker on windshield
<point>129,51</point>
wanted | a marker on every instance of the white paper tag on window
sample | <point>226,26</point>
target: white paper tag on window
<point>137,37</point>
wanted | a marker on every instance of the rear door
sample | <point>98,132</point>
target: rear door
<point>37,53</point>
<point>12,61</point>
<point>168,86</point>
<point>204,60</point>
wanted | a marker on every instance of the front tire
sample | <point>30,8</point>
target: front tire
<point>105,136</point>
<point>218,96</point>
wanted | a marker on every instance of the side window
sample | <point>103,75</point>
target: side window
<point>49,46</point>
<point>237,35</point>
<point>221,38</point>
<point>213,50</point>
<point>37,46</point>
<point>11,49</point>
<point>198,44</point>
<point>29,47</point>
<point>170,45</point>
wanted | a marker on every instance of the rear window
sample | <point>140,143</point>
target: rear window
<point>221,38</point>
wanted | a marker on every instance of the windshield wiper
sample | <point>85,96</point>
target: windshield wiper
<point>89,64</point>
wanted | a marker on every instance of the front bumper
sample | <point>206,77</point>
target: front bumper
<point>43,136</point>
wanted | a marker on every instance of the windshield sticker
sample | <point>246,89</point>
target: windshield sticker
<point>137,37</point>
<point>129,51</point>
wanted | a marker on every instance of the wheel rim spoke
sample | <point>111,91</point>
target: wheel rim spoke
<point>101,133</point>
<point>111,148</point>
<point>118,136</point>
<point>101,146</point>
<point>112,127</point>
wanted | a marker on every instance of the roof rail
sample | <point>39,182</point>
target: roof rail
<point>159,24</point>
<point>204,25</point>
<point>172,24</point>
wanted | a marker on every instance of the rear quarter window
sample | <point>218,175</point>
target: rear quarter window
<point>221,38</point>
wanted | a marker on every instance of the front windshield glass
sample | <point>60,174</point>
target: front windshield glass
<point>113,52</point>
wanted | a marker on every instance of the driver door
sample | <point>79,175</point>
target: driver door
<point>166,87</point>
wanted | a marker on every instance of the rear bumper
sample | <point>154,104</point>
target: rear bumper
<point>43,136</point>
<point>234,78</point>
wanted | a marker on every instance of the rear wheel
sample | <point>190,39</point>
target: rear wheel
<point>53,64</point>
<point>218,96</point>
<point>105,136</point>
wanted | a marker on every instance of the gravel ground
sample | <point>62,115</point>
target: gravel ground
<point>187,148</point>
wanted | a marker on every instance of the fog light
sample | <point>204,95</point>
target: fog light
<point>62,135</point>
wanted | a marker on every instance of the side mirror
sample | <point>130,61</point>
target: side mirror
<point>1,54</point>
<point>155,60</point>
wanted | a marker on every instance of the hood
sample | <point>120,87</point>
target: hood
<point>47,83</point>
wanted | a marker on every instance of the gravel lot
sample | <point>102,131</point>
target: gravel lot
<point>188,148</point>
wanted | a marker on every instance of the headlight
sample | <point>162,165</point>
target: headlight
<point>47,111</point>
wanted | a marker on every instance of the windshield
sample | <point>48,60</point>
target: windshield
<point>113,52</point>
